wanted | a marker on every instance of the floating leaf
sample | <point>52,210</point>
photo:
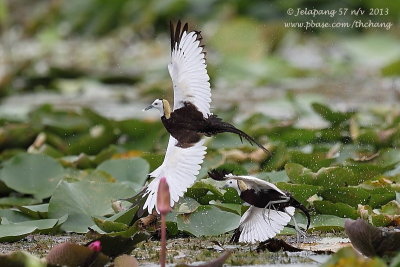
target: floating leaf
<point>330,177</point>
<point>110,226</point>
<point>32,174</point>
<point>326,223</point>
<point>133,170</point>
<point>334,117</point>
<point>17,201</point>
<point>208,221</point>
<point>337,209</point>
<point>235,208</point>
<point>347,256</point>
<point>84,200</point>
<point>35,211</point>
<point>21,258</point>
<point>301,192</point>
<point>15,232</point>
<point>349,195</point>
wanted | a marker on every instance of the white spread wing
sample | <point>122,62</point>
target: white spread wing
<point>259,224</point>
<point>188,70</point>
<point>180,167</point>
<point>254,182</point>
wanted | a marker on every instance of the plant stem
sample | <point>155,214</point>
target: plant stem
<point>163,251</point>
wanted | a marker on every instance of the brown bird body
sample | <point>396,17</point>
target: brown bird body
<point>187,125</point>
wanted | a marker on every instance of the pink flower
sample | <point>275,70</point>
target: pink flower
<point>163,197</point>
<point>95,246</point>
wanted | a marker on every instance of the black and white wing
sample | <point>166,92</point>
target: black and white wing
<point>260,224</point>
<point>180,167</point>
<point>254,182</point>
<point>188,69</point>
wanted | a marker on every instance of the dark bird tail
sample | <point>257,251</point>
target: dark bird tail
<point>293,202</point>
<point>215,126</point>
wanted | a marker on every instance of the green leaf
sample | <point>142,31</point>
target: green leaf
<point>186,205</point>
<point>32,174</point>
<point>110,226</point>
<point>334,117</point>
<point>337,209</point>
<point>133,170</point>
<point>330,177</point>
<point>17,201</point>
<point>84,200</point>
<point>230,207</point>
<point>326,223</point>
<point>14,215</point>
<point>21,258</point>
<point>274,176</point>
<point>35,211</point>
<point>349,195</point>
<point>301,192</point>
<point>208,221</point>
<point>15,232</point>
<point>124,216</point>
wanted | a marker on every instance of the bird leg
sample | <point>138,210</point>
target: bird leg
<point>299,233</point>
<point>271,204</point>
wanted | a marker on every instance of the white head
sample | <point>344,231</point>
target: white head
<point>233,184</point>
<point>162,105</point>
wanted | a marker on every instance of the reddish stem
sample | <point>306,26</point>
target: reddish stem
<point>163,251</point>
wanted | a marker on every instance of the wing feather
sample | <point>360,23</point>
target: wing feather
<point>259,224</point>
<point>180,167</point>
<point>188,69</point>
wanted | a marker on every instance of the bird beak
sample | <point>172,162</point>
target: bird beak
<point>149,107</point>
<point>225,186</point>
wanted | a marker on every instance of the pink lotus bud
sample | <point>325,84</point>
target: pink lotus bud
<point>95,246</point>
<point>163,197</point>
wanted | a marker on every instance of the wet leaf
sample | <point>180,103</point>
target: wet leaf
<point>208,221</point>
<point>301,192</point>
<point>337,209</point>
<point>330,177</point>
<point>110,226</point>
<point>21,258</point>
<point>334,117</point>
<point>12,232</point>
<point>326,223</point>
<point>347,256</point>
<point>133,170</point>
<point>84,200</point>
<point>32,174</point>
<point>35,211</point>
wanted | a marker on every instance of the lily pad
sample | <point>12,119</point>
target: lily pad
<point>337,209</point>
<point>326,223</point>
<point>32,174</point>
<point>301,192</point>
<point>12,232</point>
<point>334,117</point>
<point>133,170</point>
<point>208,221</point>
<point>84,200</point>
<point>35,211</point>
<point>21,258</point>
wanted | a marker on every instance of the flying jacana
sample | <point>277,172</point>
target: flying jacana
<point>190,118</point>
<point>270,210</point>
